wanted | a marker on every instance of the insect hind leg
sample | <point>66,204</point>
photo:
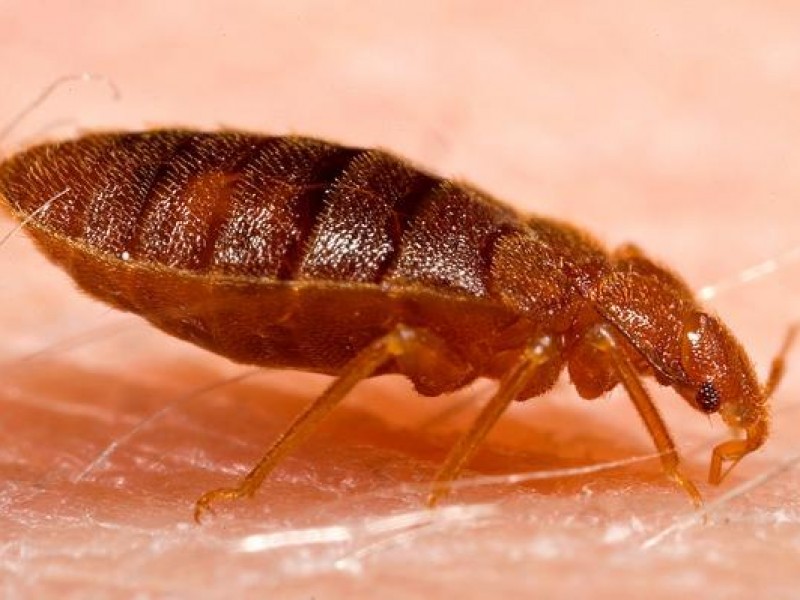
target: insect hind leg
<point>416,353</point>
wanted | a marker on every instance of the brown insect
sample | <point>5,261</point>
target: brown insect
<point>291,252</point>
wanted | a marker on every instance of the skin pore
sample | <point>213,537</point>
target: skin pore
<point>672,128</point>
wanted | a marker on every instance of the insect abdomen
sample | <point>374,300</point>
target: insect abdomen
<point>269,207</point>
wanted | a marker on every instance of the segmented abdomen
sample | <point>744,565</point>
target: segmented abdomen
<point>284,208</point>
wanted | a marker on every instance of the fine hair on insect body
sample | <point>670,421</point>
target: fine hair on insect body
<point>292,252</point>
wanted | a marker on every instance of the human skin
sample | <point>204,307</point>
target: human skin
<point>673,128</point>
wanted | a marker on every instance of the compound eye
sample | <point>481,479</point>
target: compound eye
<point>708,399</point>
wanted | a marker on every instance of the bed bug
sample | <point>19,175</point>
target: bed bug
<point>292,252</point>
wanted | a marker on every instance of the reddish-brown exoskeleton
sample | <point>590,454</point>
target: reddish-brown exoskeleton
<point>292,252</point>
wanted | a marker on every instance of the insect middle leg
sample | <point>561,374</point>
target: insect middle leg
<point>413,349</point>
<point>538,353</point>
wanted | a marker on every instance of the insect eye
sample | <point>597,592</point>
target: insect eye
<point>708,399</point>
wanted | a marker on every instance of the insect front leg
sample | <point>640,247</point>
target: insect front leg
<point>402,344</point>
<point>605,339</point>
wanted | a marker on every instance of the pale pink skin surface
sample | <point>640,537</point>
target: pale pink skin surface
<point>676,129</point>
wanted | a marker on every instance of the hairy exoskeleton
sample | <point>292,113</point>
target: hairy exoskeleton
<point>669,336</point>
<point>292,252</point>
<point>631,317</point>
